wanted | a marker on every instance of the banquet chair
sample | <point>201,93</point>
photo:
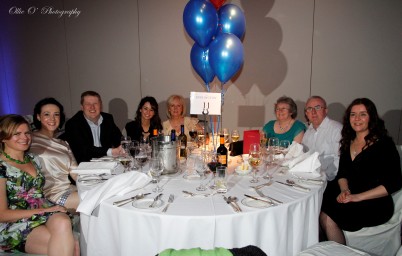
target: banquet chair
<point>384,239</point>
<point>330,248</point>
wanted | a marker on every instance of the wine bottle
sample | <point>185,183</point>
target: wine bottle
<point>173,135</point>
<point>182,138</point>
<point>222,150</point>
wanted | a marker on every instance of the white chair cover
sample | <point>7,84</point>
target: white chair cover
<point>330,248</point>
<point>382,240</point>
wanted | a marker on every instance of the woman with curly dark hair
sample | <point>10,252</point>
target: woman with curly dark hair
<point>146,120</point>
<point>369,172</point>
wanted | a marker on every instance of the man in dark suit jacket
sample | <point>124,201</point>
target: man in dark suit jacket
<point>92,133</point>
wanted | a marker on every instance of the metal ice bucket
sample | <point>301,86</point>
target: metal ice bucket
<point>168,150</point>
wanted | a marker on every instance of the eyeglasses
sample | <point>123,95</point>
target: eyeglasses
<point>317,108</point>
<point>281,109</point>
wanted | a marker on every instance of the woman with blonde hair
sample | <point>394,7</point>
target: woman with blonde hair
<point>176,111</point>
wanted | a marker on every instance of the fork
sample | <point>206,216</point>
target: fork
<point>170,200</point>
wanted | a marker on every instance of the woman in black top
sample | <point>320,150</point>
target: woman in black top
<point>369,172</point>
<point>146,120</point>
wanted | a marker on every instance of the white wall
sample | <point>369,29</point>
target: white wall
<point>125,49</point>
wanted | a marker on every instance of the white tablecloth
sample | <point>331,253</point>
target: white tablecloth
<point>208,222</point>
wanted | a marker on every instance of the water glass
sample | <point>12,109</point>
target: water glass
<point>284,146</point>
<point>221,179</point>
<point>200,168</point>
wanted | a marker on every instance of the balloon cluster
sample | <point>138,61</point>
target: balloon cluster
<point>217,30</point>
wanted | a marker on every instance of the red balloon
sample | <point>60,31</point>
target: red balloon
<point>218,3</point>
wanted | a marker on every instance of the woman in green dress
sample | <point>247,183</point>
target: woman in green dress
<point>285,127</point>
<point>28,222</point>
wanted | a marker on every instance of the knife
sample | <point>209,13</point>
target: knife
<point>155,200</point>
<point>271,198</point>
<point>294,186</point>
<point>259,199</point>
<point>127,200</point>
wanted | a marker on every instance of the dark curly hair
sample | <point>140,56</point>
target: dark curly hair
<point>376,125</point>
<point>155,120</point>
<point>38,109</point>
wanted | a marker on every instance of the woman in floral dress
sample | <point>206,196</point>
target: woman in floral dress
<point>28,222</point>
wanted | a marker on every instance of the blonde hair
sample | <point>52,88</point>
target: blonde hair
<point>170,102</point>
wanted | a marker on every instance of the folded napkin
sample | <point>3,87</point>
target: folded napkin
<point>95,167</point>
<point>309,164</point>
<point>294,150</point>
<point>119,185</point>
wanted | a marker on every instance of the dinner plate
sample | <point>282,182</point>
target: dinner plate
<point>249,202</point>
<point>194,176</point>
<point>146,202</point>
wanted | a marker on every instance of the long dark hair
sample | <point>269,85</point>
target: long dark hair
<point>155,120</point>
<point>38,109</point>
<point>376,125</point>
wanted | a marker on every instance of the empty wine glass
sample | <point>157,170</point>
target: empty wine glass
<point>235,135</point>
<point>156,169</point>
<point>200,169</point>
<point>273,147</point>
<point>254,160</point>
<point>254,147</point>
<point>226,137</point>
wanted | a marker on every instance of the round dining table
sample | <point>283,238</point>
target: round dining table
<point>205,219</point>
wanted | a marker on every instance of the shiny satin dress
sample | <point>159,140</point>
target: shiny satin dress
<point>57,160</point>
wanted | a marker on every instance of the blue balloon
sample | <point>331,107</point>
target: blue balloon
<point>232,20</point>
<point>200,21</point>
<point>200,61</point>
<point>226,56</point>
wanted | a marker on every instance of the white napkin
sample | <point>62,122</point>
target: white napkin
<point>119,185</point>
<point>295,150</point>
<point>309,164</point>
<point>95,167</point>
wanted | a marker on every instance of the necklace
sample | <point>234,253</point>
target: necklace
<point>26,159</point>
<point>283,128</point>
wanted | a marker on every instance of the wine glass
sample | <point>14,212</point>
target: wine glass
<point>254,147</point>
<point>254,160</point>
<point>226,137</point>
<point>200,169</point>
<point>133,152</point>
<point>284,146</point>
<point>235,135</point>
<point>263,139</point>
<point>273,147</point>
<point>200,137</point>
<point>193,134</point>
<point>126,162</point>
<point>156,169</point>
<point>125,144</point>
<point>141,156</point>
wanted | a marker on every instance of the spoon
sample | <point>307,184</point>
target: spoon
<point>291,182</point>
<point>234,200</point>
